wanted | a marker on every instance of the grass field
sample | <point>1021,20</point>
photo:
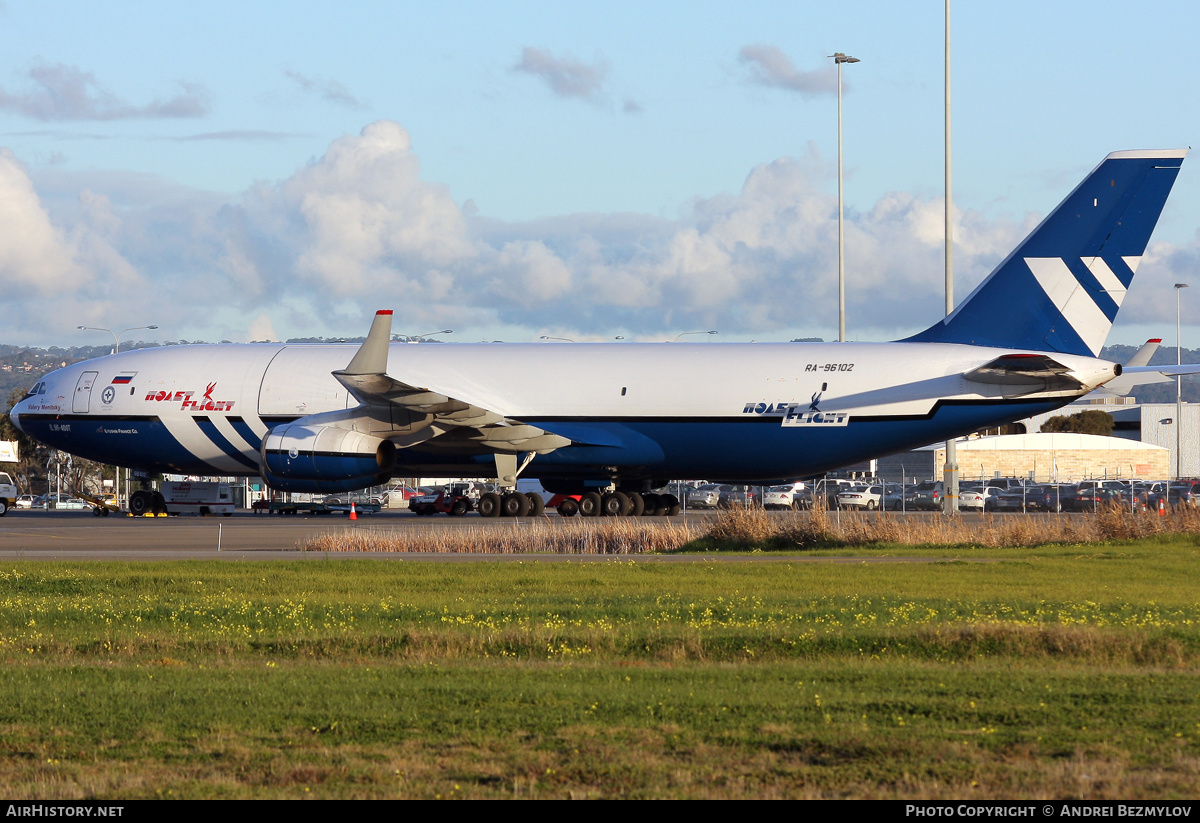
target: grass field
<point>1064,671</point>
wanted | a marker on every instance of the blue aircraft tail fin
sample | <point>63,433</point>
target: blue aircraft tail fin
<point>1061,288</point>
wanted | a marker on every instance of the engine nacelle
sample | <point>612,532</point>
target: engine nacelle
<point>303,458</point>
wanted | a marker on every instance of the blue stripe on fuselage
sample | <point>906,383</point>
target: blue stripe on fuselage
<point>692,448</point>
<point>132,441</point>
<point>209,430</point>
<point>698,448</point>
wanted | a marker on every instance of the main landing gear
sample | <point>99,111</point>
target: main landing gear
<point>619,504</point>
<point>510,504</point>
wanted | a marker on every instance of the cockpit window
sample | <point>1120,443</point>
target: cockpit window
<point>40,388</point>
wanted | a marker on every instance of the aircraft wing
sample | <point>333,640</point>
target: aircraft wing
<point>457,423</point>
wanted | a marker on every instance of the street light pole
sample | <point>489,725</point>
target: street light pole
<point>1178,389</point>
<point>839,58</point>
<point>135,328</point>
<point>417,338</point>
<point>686,333</point>
<point>116,337</point>
<point>950,470</point>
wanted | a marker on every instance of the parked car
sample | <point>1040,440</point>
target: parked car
<point>707,496</point>
<point>780,497</point>
<point>1047,498</point>
<point>927,496</point>
<point>742,496</point>
<point>1092,498</point>
<point>25,501</point>
<point>872,498</point>
<point>1102,484</point>
<point>803,499</point>
<point>1011,500</point>
<point>826,491</point>
<point>1007,483</point>
<point>1184,493</point>
<point>357,498</point>
<point>979,498</point>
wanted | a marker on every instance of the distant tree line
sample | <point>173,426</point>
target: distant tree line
<point>1092,421</point>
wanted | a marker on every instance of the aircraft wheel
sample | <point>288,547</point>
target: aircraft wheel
<point>568,508</point>
<point>626,503</point>
<point>489,505</point>
<point>639,505</point>
<point>160,504</point>
<point>652,503</point>
<point>141,502</point>
<point>671,506</point>
<point>610,505</point>
<point>589,504</point>
<point>458,508</point>
<point>514,505</point>
<point>536,504</point>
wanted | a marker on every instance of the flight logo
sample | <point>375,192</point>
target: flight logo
<point>187,403</point>
<point>767,409</point>
<point>795,417</point>
<point>108,395</point>
<point>800,414</point>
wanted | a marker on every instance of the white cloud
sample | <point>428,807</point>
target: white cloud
<point>35,258</point>
<point>261,328</point>
<point>330,91</point>
<point>769,66</point>
<point>566,76</point>
<point>358,229</point>
<point>63,92</point>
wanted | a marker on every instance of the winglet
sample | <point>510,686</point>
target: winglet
<point>372,355</point>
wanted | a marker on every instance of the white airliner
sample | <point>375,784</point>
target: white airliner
<point>619,420</point>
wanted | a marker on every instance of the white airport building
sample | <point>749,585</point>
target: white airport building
<point>1143,446</point>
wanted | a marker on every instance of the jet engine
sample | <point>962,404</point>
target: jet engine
<point>324,459</point>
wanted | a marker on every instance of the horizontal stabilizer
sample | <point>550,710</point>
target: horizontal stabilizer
<point>1136,376</point>
<point>1138,373</point>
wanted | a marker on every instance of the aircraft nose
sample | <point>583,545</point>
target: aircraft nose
<point>14,414</point>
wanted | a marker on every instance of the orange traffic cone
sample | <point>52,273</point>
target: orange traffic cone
<point>353,513</point>
<point>1162,507</point>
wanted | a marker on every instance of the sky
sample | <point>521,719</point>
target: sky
<point>271,170</point>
